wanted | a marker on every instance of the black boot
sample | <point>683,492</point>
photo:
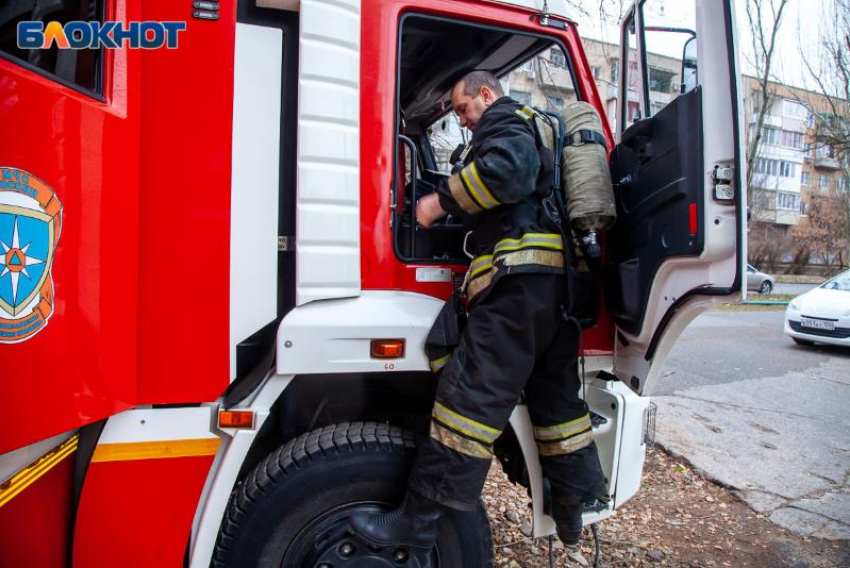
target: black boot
<point>567,514</point>
<point>413,524</point>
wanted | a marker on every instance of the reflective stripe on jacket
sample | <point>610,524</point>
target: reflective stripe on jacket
<point>505,169</point>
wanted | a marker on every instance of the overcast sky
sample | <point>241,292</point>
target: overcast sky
<point>802,19</point>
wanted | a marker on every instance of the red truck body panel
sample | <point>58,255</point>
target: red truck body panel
<point>141,269</point>
<point>138,512</point>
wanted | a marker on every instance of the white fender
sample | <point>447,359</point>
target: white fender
<point>333,336</point>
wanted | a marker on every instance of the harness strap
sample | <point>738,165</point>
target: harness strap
<point>493,228</point>
<point>580,137</point>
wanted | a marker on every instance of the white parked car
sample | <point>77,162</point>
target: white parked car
<point>821,314</point>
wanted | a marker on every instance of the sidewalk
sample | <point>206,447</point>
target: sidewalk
<point>780,442</point>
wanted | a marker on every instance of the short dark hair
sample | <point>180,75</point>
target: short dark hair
<point>474,80</point>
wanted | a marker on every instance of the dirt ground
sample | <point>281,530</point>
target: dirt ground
<point>678,519</point>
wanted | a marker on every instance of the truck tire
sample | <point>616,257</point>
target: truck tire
<point>291,511</point>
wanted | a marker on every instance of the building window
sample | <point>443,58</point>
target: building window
<point>805,180</point>
<point>756,98</point>
<point>788,201</point>
<point>597,72</point>
<point>615,71</point>
<point>824,151</point>
<point>769,200</point>
<point>660,80</point>
<point>634,112</point>
<point>793,109</point>
<point>823,181</point>
<point>770,136</point>
<point>841,183</point>
<point>556,57</point>
<point>521,97</point>
<point>76,67</point>
<point>554,104</point>
<point>787,169</point>
<point>792,139</point>
<point>810,120</point>
<point>767,167</point>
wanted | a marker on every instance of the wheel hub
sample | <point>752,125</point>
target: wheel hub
<point>327,543</point>
<point>352,552</point>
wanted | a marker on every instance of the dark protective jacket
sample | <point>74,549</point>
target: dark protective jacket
<point>499,191</point>
<point>512,341</point>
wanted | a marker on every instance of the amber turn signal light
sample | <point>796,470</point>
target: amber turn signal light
<point>236,419</point>
<point>387,348</point>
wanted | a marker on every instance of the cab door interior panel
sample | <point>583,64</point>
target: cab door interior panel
<point>659,184</point>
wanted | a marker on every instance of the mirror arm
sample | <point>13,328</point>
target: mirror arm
<point>688,31</point>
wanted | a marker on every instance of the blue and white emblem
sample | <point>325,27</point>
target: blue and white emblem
<point>25,241</point>
<point>30,221</point>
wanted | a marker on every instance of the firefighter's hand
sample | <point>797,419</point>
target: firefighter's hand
<point>428,210</point>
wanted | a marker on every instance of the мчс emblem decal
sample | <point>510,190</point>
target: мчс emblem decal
<point>30,223</point>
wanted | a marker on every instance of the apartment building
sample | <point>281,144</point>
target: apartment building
<point>665,79</point>
<point>793,162</point>
<point>775,191</point>
<point>823,167</point>
<point>545,82</point>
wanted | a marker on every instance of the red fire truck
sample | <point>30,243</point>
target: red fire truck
<point>214,295</point>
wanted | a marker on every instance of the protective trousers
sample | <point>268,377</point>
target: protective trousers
<point>516,341</point>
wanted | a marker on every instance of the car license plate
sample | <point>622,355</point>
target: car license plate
<point>818,324</point>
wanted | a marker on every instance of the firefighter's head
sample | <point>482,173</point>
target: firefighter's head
<point>473,94</point>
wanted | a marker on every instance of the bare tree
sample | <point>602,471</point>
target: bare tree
<point>765,244</point>
<point>829,69</point>
<point>823,232</point>
<point>765,19</point>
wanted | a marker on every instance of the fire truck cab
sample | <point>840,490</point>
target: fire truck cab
<point>214,295</point>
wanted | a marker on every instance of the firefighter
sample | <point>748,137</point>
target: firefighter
<point>516,342</point>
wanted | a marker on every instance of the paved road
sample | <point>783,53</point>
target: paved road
<point>764,416</point>
<point>785,288</point>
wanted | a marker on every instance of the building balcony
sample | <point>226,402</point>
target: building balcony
<point>827,163</point>
<point>777,217</point>
<point>784,217</point>
<point>555,77</point>
<point>769,120</point>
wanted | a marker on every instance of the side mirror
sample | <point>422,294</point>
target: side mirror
<point>689,66</point>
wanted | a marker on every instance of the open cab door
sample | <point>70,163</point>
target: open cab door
<point>679,243</point>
